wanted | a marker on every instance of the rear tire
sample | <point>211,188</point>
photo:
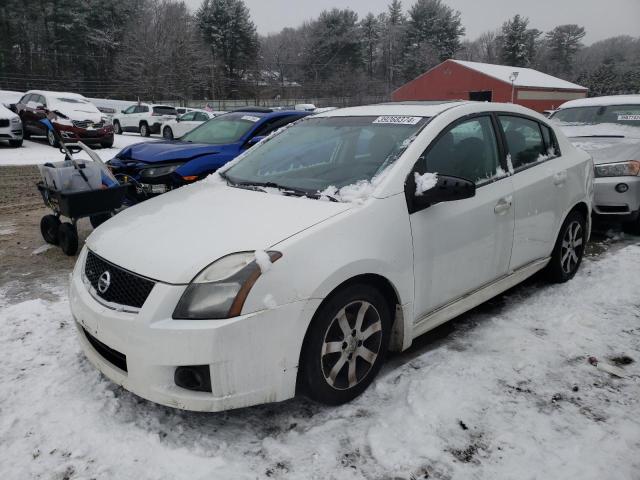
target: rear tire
<point>167,133</point>
<point>25,133</point>
<point>49,225</point>
<point>117,129</point>
<point>144,130</point>
<point>68,239</point>
<point>15,143</point>
<point>346,344</point>
<point>569,249</point>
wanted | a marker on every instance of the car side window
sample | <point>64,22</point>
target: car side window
<point>201,117</point>
<point>524,140</point>
<point>187,117</point>
<point>143,109</point>
<point>131,109</point>
<point>467,150</point>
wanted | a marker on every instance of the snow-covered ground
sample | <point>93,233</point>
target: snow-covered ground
<point>505,392</point>
<point>37,151</point>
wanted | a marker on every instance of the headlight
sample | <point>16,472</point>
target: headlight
<point>155,172</point>
<point>618,169</point>
<point>15,121</point>
<point>107,121</point>
<point>220,290</point>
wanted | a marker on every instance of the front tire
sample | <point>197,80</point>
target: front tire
<point>569,249</point>
<point>51,139</point>
<point>167,133</point>
<point>144,130</point>
<point>49,226</point>
<point>117,129</point>
<point>107,144</point>
<point>15,143</point>
<point>346,344</point>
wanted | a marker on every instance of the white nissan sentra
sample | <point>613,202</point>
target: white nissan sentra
<point>297,266</point>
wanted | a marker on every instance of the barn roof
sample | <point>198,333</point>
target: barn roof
<point>527,77</point>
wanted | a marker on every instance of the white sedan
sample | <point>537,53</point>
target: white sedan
<point>298,265</point>
<point>186,122</point>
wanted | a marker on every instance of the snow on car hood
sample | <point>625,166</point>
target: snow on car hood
<point>606,143</point>
<point>6,113</point>
<point>79,113</point>
<point>173,236</point>
<point>162,151</point>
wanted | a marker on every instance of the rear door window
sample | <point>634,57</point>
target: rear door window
<point>187,117</point>
<point>524,140</point>
<point>550,141</point>
<point>164,111</point>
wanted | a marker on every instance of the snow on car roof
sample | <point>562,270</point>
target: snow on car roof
<point>603,101</point>
<point>49,93</point>
<point>527,77</point>
<point>419,109</point>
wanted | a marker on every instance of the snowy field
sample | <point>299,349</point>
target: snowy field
<point>37,151</point>
<point>504,392</point>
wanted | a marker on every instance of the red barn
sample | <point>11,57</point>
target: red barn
<point>461,80</point>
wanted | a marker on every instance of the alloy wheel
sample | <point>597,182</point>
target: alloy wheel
<point>571,249</point>
<point>351,345</point>
<point>51,138</point>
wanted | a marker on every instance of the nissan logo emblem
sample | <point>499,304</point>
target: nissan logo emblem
<point>104,281</point>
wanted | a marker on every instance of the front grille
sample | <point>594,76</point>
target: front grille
<point>4,122</point>
<point>87,123</point>
<point>109,354</point>
<point>122,287</point>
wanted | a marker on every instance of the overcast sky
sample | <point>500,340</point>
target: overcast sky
<point>601,18</point>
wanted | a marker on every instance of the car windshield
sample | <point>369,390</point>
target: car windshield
<point>228,128</point>
<point>628,115</point>
<point>318,153</point>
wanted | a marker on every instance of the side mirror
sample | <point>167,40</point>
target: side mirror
<point>123,111</point>
<point>13,107</point>
<point>252,141</point>
<point>445,189</point>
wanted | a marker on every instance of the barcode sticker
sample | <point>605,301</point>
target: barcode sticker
<point>397,120</point>
<point>250,118</point>
<point>629,118</point>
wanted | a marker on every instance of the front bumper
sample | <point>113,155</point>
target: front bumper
<point>612,205</point>
<point>12,132</point>
<point>253,359</point>
<point>72,134</point>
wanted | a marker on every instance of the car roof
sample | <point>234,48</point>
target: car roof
<point>52,93</point>
<point>418,109</point>
<point>602,101</point>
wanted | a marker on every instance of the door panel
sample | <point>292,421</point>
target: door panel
<point>538,185</point>
<point>463,245</point>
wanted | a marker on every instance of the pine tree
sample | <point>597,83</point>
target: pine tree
<point>433,35</point>
<point>370,28</point>
<point>393,41</point>
<point>563,43</point>
<point>518,42</point>
<point>231,36</point>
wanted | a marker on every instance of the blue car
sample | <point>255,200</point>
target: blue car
<point>156,167</point>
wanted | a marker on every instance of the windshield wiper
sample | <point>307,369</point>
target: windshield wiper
<point>286,190</point>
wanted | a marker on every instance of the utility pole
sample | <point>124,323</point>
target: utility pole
<point>513,77</point>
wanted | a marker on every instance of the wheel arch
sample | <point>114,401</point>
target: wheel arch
<point>583,208</point>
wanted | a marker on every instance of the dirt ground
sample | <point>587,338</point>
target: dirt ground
<point>23,252</point>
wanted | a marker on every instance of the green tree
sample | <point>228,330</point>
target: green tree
<point>231,37</point>
<point>519,43</point>
<point>370,28</point>
<point>433,35</point>
<point>563,43</point>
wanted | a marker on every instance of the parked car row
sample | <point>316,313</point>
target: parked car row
<point>346,235</point>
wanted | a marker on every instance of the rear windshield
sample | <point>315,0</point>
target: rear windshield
<point>228,128</point>
<point>164,111</point>
<point>619,114</point>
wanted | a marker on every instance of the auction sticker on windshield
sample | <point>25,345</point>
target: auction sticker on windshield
<point>394,119</point>
<point>250,118</point>
<point>628,118</point>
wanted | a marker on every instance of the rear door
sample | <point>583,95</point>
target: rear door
<point>539,182</point>
<point>186,124</point>
<point>463,245</point>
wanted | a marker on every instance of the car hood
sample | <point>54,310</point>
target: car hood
<point>172,237</point>
<point>80,113</point>
<point>608,149</point>
<point>163,151</point>
<point>6,113</point>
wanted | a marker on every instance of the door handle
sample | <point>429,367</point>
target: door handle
<point>503,205</point>
<point>560,178</point>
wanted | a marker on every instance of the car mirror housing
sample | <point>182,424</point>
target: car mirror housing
<point>447,189</point>
<point>252,141</point>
